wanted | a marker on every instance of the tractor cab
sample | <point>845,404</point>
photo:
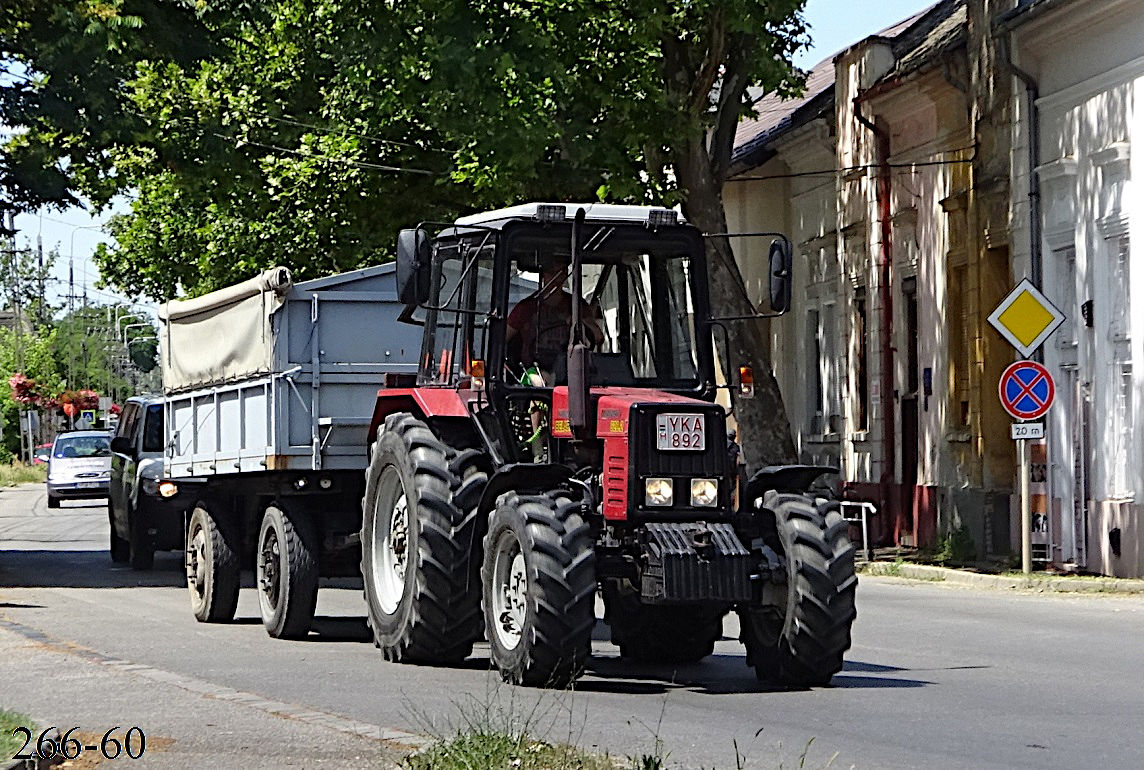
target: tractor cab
<point>497,308</point>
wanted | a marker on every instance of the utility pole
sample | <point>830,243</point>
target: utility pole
<point>40,276</point>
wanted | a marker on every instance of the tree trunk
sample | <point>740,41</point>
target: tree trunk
<point>764,431</point>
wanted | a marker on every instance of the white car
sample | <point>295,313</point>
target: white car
<point>79,467</point>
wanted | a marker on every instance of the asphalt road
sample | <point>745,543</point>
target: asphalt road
<point>939,677</point>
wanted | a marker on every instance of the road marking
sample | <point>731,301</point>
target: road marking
<point>398,739</point>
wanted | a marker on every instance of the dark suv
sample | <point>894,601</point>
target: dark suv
<point>145,510</point>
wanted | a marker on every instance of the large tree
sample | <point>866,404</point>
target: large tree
<point>305,132</point>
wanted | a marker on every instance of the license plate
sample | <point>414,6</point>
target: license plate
<point>88,485</point>
<point>680,432</point>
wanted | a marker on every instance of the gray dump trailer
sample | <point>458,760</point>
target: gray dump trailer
<point>270,387</point>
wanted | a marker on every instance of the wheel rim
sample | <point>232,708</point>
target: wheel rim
<point>196,563</point>
<point>390,542</point>
<point>510,592</point>
<point>269,567</point>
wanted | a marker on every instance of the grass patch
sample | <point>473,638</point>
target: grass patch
<point>894,569</point>
<point>510,752</point>
<point>18,473</point>
<point>10,744</point>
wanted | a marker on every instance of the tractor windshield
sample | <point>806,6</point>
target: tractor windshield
<point>637,306</point>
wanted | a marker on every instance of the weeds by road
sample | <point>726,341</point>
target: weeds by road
<point>513,752</point>
<point>18,473</point>
<point>9,743</point>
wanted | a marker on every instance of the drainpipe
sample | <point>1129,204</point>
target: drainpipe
<point>886,294</point>
<point>1035,266</point>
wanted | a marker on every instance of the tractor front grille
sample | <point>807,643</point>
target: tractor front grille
<point>681,467</point>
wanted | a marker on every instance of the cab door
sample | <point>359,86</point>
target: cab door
<point>122,464</point>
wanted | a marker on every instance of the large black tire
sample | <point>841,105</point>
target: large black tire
<point>286,572</point>
<point>120,549</point>
<point>652,633</point>
<point>212,567</point>
<point>800,639</point>
<point>539,588</point>
<point>140,546</point>
<point>418,540</point>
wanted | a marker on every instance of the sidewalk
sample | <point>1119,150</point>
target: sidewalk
<point>1037,581</point>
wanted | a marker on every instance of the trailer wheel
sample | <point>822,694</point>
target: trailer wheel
<point>140,547</point>
<point>419,529</point>
<point>286,566</point>
<point>212,567</point>
<point>652,633</point>
<point>539,584</point>
<point>799,640</point>
<point>119,548</point>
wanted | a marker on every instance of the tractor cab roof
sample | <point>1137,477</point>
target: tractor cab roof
<point>655,216</point>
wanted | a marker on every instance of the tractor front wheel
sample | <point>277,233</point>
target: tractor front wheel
<point>799,638</point>
<point>539,585</point>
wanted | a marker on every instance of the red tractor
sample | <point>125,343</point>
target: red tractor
<point>544,454</point>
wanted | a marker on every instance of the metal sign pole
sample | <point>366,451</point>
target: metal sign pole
<point>1026,509</point>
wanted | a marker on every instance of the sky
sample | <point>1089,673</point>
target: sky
<point>834,25</point>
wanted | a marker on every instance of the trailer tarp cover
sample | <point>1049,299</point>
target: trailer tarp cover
<point>222,336</point>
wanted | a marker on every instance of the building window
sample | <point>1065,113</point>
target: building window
<point>862,370</point>
<point>959,347</point>
<point>822,402</point>
<point>1123,454</point>
<point>1066,299</point>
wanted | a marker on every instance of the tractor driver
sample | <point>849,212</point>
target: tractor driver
<point>540,324</point>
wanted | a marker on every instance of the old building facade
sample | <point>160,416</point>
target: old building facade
<point>926,171</point>
<point>1076,221</point>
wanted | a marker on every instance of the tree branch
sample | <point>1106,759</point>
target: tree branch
<point>708,74</point>
<point>727,113</point>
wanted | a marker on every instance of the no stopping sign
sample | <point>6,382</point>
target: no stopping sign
<point>1026,390</point>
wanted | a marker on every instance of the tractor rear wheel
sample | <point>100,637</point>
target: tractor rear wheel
<point>799,639</point>
<point>419,529</point>
<point>539,581</point>
<point>652,633</point>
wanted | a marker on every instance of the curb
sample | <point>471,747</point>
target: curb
<point>1038,583</point>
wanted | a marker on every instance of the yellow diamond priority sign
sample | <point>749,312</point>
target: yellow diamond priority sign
<point>1026,318</point>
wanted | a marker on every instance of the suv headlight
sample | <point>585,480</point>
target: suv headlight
<point>658,492</point>
<point>704,493</point>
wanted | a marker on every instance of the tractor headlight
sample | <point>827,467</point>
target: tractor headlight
<point>168,488</point>
<point>704,493</point>
<point>657,492</point>
<point>150,486</point>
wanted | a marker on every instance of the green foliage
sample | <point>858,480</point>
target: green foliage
<point>956,547</point>
<point>306,132</point>
<point>9,721</point>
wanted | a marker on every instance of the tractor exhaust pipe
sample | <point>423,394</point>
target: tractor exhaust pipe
<point>579,356</point>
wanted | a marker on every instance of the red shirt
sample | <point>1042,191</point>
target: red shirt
<point>543,327</point>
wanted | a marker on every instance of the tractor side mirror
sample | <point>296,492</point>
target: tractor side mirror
<point>413,261</point>
<point>781,263</point>
<point>121,445</point>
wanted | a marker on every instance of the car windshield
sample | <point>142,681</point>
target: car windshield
<point>82,446</point>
